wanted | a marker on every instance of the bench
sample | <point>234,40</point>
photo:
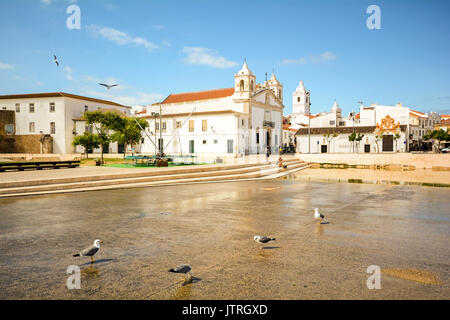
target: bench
<point>22,166</point>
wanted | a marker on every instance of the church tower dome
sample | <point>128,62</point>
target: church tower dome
<point>244,83</point>
<point>276,87</point>
<point>300,100</point>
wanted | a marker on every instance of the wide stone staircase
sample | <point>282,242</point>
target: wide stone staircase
<point>170,176</point>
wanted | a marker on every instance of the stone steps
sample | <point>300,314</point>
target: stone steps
<point>249,171</point>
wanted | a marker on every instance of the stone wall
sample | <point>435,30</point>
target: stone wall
<point>419,161</point>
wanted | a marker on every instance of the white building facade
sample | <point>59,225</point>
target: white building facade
<point>54,114</point>
<point>380,129</point>
<point>241,120</point>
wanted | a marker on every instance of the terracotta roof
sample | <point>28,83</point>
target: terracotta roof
<point>59,94</point>
<point>142,111</point>
<point>200,95</point>
<point>445,116</point>
<point>172,115</point>
<point>417,113</point>
<point>445,122</point>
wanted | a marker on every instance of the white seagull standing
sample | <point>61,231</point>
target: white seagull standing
<point>318,216</point>
<point>107,86</point>
<point>90,251</point>
<point>55,60</point>
<point>263,239</point>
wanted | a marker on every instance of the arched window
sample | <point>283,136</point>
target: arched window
<point>241,85</point>
<point>251,85</point>
<point>298,99</point>
<point>279,93</point>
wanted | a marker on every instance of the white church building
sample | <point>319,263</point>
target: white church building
<point>240,120</point>
<point>379,128</point>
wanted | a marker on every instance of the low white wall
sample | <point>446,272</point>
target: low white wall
<point>420,161</point>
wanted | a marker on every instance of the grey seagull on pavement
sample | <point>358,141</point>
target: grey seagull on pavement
<point>90,251</point>
<point>183,268</point>
<point>107,86</point>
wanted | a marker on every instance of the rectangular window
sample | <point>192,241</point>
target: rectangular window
<point>52,107</point>
<point>31,107</point>
<point>204,141</point>
<point>164,127</point>
<point>332,122</point>
<point>178,124</point>
<point>17,107</point>
<point>204,125</point>
<point>215,141</point>
<point>157,126</point>
<point>86,108</point>
<point>31,127</point>
<point>52,128</point>
<point>257,138</point>
<point>243,122</point>
<point>191,126</point>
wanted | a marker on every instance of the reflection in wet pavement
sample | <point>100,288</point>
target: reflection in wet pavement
<point>211,227</point>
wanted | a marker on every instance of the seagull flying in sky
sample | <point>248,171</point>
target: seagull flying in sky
<point>318,216</point>
<point>55,60</point>
<point>90,251</point>
<point>263,239</point>
<point>183,268</point>
<point>107,86</point>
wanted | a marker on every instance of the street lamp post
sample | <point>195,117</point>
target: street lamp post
<point>154,115</point>
<point>160,132</point>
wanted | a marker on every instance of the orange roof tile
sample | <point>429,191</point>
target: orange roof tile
<point>200,95</point>
<point>444,122</point>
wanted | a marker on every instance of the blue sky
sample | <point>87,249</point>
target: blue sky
<point>154,48</point>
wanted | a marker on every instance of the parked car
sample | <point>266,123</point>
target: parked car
<point>446,150</point>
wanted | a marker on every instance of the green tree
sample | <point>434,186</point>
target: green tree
<point>439,135</point>
<point>129,132</point>
<point>87,140</point>
<point>378,138</point>
<point>358,139</point>
<point>352,138</point>
<point>103,123</point>
<point>328,136</point>
<point>396,138</point>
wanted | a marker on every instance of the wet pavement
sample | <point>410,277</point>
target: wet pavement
<point>211,226</point>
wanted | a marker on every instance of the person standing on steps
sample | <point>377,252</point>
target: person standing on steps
<point>267,153</point>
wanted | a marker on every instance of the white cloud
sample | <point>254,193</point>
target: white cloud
<point>158,27</point>
<point>120,37</point>
<point>312,58</point>
<point>165,43</point>
<point>5,66</point>
<point>140,98</point>
<point>206,56</point>
<point>46,1</point>
<point>68,71</point>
